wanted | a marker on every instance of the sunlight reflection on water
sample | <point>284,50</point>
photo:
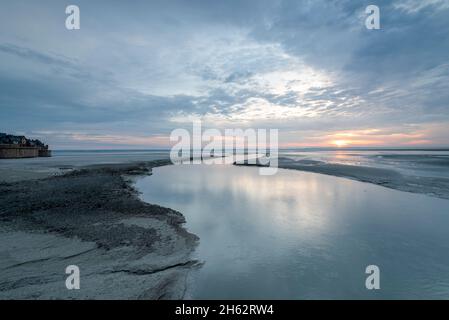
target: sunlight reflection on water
<point>301,235</point>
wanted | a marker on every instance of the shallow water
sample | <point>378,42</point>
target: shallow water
<point>421,163</point>
<point>61,158</point>
<point>299,235</point>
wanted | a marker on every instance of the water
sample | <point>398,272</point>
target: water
<point>76,158</point>
<point>423,163</point>
<point>299,235</point>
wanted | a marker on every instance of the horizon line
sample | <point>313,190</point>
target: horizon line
<point>395,148</point>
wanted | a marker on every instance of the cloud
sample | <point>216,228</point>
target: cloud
<point>415,6</point>
<point>143,69</point>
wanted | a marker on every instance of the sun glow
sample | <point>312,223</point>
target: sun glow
<point>341,143</point>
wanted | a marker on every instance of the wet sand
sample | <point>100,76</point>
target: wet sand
<point>90,217</point>
<point>431,186</point>
<point>57,214</point>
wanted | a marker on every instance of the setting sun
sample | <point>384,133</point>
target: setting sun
<point>341,143</point>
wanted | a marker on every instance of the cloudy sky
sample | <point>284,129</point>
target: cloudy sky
<point>136,70</point>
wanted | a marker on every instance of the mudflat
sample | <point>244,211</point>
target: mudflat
<point>91,217</point>
<point>390,178</point>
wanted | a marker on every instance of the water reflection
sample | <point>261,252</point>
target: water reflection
<point>300,235</point>
<point>415,163</point>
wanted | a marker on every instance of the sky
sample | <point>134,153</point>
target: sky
<point>136,70</point>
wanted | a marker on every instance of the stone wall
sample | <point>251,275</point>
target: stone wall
<point>10,151</point>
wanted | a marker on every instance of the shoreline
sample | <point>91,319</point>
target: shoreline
<point>430,186</point>
<point>91,217</point>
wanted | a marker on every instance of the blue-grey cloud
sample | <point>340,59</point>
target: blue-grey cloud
<point>146,67</point>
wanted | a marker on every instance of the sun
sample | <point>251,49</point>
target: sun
<point>341,143</point>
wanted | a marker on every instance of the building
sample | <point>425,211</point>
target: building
<point>12,146</point>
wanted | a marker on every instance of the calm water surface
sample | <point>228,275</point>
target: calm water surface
<point>299,235</point>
